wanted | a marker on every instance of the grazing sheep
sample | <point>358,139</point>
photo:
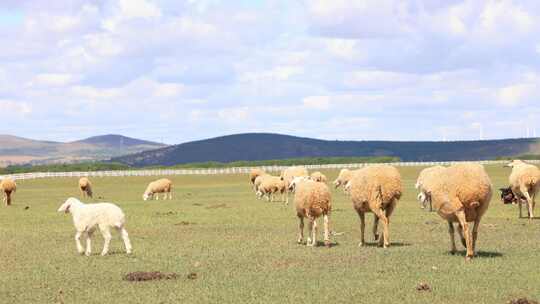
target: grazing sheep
<point>85,186</point>
<point>270,185</point>
<point>312,199</point>
<point>163,185</point>
<point>258,180</point>
<point>343,179</point>
<point>88,217</point>
<point>255,172</point>
<point>376,189</point>
<point>423,184</point>
<point>462,194</point>
<point>9,187</point>
<point>525,182</point>
<point>318,177</point>
<point>289,174</point>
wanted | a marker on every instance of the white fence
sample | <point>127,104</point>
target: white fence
<point>237,170</point>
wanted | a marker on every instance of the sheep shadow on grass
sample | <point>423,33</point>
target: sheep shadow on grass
<point>392,244</point>
<point>479,254</point>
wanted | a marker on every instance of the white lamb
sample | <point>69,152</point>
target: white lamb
<point>87,217</point>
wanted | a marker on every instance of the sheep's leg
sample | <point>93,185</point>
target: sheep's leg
<point>326,220</point>
<point>311,228</point>
<point>451,231</point>
<point>384,241</point>
<point>460,214</point>
<point>125,238</point>
<point>362,217</point>
<point>520,203</point>
<point>80,248</point>
<point>525,192</point>
<point>170,195</point>
<point>430,204</point>
<point>313,231</point>
<point>462,238</point>
<point>107,240</point>
<point>375,227</point>
<point>300,230</point>
<point>88,243</point>
<point>475,234</point>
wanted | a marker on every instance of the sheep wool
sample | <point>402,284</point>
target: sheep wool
<point>318,177</point>
<point>255,172</point>
<point>312,199</point>
<point>270,185</point>
<point>88,217</point>
<point>462,193</point>
<point>424,183</point>
<point>525,182</point>
<point>85,186</point>
<point>289,174</point>
<point>9,187</point>
<point>376,189</point>
<point>163,185</point>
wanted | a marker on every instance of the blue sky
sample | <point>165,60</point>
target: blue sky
<point>176,71</point>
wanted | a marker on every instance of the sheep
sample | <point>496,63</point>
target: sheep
<point>312,199</point>
<point>289,174</point>
<point>255,172</point>
<point>271,185</point>
<point>258,180</point>
<point>525,182</point>
<point>423,183</point>
<point>86,187</point>
<point>86,217</point>
<point>343,179</point>
<point>375,189</point>
<point>163,185</point>
<point>9,187</point>
<point>318,177</point>
<point>462,194</point>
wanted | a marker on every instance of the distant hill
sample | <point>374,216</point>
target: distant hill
<point>18,150</point>
<point>263,146</point>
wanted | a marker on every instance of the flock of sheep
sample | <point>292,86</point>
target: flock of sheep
<point>459,193</point>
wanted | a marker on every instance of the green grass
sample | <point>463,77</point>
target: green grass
<point>246,252</point>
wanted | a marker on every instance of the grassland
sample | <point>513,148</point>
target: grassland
<point>244,250</point>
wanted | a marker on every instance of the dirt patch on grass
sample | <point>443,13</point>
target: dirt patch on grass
<point>423,287</point>
<point>139,276</point>
<point>192,276</point>
<point>197,204</point>
<point>217,206</point>
<point>184,223</point>
<point>522,301</point>
<point>431,223</point>
<point>168,213</point>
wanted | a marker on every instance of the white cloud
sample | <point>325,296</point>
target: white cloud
<point>317,102</point>
<point>514,95</point>
<point>14,107</point>
<point>52,79</point>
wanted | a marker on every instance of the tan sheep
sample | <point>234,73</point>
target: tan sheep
<point>343,179</point>
<point>525,183</point>
<point>376,189</point>
<point>258,180</point>
<point>271,185</point>
<point>312,199</point>
<point>318,177</point>
<point>462,194</point>
<point>9,187</point>
<point>85,186</point>
<point>163,185</point>
<point>255,172</point>
<point>423,184</point>
<point>289,174</point>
